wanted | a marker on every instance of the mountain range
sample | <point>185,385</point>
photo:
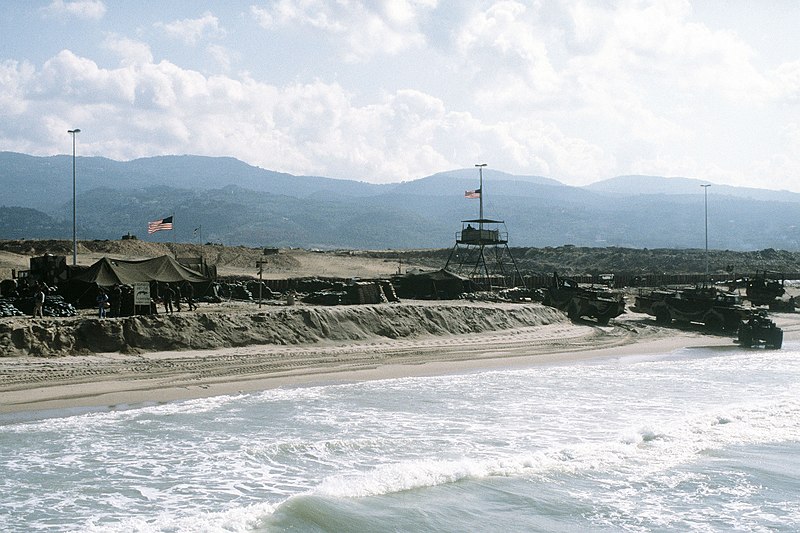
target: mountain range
<point>223,200</point>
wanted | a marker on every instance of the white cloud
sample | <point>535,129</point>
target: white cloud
<point>221,55</point>
<point>787,82</point>
<point>85,9</point>
<point>632,77</point>
<point>130,51</point>
<point>191,31</point>
<point>15,78</point>
<point>365,29</point>
<point>67,77</point>
<point>160,108</point>
<point>573,89</point>
<point>791,132</point>
<point>630,49</point>
<point>781,167</point>
<point>315,13</point>
<point>263,17</point>
<point>374,34</point>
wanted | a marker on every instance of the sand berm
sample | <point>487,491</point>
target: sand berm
<point>232,326</point>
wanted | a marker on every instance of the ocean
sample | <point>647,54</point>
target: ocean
<point>703,439</point>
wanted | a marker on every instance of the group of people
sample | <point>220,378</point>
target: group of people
<point>170,295</point>
<point>109,301</point>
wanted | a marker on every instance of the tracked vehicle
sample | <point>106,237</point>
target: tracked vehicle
<point>599,303</point>
<point>763,288</point>
<point>717,310</point>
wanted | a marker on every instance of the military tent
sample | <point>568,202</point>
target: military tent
<point>81,289</point>
<point>441,284</point>
<point>106,272</point>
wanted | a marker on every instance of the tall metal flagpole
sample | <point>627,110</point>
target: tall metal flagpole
<point>705,195</point>
<point>480,196</point>
<point>74,210</point>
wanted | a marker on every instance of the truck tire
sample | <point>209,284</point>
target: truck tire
<point>745,335</point>
<point>663,316</point>
<point>714,322</point>
<point>572,310</point>
<point>775,339</point>
<point>731,323</point>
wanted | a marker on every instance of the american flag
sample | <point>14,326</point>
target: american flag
<point>158,225</point>
<point>472,194</point>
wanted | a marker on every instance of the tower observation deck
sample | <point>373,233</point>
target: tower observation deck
<point>481,250</point>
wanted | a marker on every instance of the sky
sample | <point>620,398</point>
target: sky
<point>396,90</point>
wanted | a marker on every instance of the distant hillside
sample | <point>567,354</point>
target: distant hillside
<point>655,185</point>
<point>46,182</point>
<point>226,201</point>
<point>22,222</point>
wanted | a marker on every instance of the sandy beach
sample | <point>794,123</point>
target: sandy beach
<point>116,379</point>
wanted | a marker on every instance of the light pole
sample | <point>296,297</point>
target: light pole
<point>705,199</point>
<point>74,218</point>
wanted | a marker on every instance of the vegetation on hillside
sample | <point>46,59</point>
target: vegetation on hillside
<point>226,201</point>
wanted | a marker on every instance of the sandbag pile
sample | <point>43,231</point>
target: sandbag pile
<point>266,292</point>
<point>326,298</point>
<point>365,293</point>
<point>7,308</point>
<point>56,305</point>
<point>234,291</point>
<point>358,293</point>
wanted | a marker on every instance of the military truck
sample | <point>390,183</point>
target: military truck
<point>716,309</point>
<point>599,303</point>
<point>760,330</point>
<point>764,288</point>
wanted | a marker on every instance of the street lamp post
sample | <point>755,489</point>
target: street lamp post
<point>705,199</point>
<point>74,211</point>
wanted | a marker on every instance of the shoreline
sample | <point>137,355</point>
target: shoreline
<point>116,380</point>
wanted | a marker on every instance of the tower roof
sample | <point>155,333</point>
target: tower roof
<point>479,220</point>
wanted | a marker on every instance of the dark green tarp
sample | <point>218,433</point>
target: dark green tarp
<point>106,272</point>
<point>441,284</point>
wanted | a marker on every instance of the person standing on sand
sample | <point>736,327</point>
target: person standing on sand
<point>177,290</point>
<point>166,296</point>
<point>188,291</point>
<point>38,301</point>
<point>102,303</point>
<point>115,299</point>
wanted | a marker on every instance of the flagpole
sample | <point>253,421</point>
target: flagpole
<point>480,196</point>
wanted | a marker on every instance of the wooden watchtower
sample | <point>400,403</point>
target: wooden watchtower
<point>481,250</point>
